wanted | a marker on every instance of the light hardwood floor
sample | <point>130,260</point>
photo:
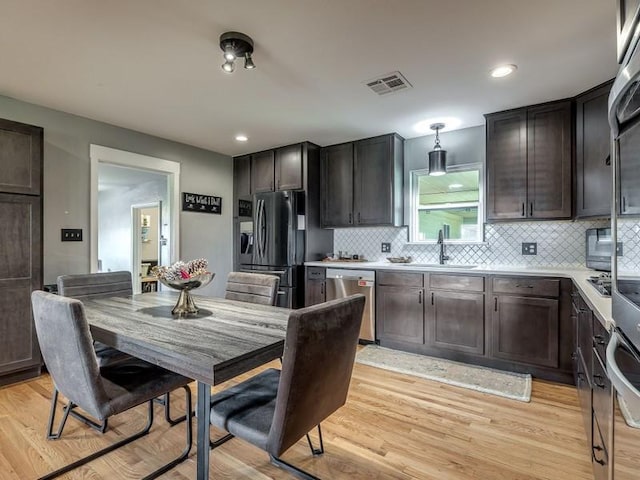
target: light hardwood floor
<point>393,427</point>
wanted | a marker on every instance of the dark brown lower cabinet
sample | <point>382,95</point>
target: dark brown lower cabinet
<point>400,314</point>
<point>315,292</point>
<point>526,329</point>
<point>455,321</point>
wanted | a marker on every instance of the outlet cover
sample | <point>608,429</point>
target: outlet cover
<point>529,248</point>
<point>71,235</point>
<point>386,247</point>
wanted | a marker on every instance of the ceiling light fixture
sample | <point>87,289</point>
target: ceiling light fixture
<point>236,45</point>
<point>242,138</point>
<point>437,157</point>
<point>503,70</point>
<point>424,126</point>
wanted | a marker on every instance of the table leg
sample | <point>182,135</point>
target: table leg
<point>202,409</point>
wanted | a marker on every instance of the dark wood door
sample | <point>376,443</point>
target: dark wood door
<point>629,172</point>
<point>20,274</point>
<point>400,314</point>
<point>507,165</point>
<point>20,158</point>
<point>549,160</point>
<point>593,154</point>
<point>373,180</point>
<point>314,292</point>
<point>337,186</point>
<point>288,167</point>
<point>525,330</point>
<point>262,172</point>
<point>455,321</point>
<point>242,176</point>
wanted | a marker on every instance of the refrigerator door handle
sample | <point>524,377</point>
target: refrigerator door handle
<point>258,229</point>
<point>263,229</point>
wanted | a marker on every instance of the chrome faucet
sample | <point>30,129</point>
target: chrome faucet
<point>443,258</point>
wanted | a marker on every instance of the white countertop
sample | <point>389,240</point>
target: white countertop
<point>600,305</point>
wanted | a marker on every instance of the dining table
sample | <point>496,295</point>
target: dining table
<point>226,338</point>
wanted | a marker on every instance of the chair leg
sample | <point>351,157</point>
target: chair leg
<point>183,456</point>
<point>316,451</point>
<point>298,472</point>
<point>216,443</point>
<point>52,417</point>
<point>165,400</point>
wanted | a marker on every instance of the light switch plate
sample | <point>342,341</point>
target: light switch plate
<point>386,247</point>
<point>529,248</point>
<point>71,235</point>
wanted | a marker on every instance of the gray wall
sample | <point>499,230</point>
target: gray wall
<point>462,146</point>
<point>66,188</point>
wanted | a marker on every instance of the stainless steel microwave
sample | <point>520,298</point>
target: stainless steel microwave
<point>598,249</point>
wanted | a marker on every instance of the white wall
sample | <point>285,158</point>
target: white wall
<point>66,188</point>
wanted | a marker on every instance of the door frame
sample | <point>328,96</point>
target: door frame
<point>106,155</point>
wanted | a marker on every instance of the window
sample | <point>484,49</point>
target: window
<point>451,203</point>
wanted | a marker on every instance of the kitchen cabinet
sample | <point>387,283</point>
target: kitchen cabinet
<point>362,182</point>
<point>242,176</point>
<point>455,321</point>
<point>629,173</point>
<point>400,307</point>
<point>529,156</point>
<point>20,248</point>
<point>288,167</point>
<point>262,171</point>
<point>626,13</point>
<point>315,287</point>
<point>593,154</point>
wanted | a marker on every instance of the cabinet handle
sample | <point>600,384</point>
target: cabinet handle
<point>599,339</point>
<point>420,297</point>
<point>432,299</point>
<point>358,217</point>
<point>607,161</point>
<point>495,304</point>
<point>322,288</point>
<point>595,380</point>
<point>597,448</point>
<point>523,209</point>
<point>350,218</point>
<point>524,286</point>
<point>574,356</point>
<point>531,209</point>
<point>624,204</point>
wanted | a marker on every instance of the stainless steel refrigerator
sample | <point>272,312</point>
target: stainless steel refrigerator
<point>277,242</point>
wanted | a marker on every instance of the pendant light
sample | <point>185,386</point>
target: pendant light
<point>437,157</point>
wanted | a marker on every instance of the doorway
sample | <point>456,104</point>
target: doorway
<point>133,197</point>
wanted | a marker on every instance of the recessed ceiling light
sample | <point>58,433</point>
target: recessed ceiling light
<point>503,70</point>
<point>424,126</point>
<point>456,185</point>
<point>242,138</point>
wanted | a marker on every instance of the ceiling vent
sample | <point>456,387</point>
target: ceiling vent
<point>389,83</point>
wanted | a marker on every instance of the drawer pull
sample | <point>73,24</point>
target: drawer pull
<point>524,286</point>
<point>595,449</point>
<point>420,297</point>
<point>595,380</point>
<point>599,339</point>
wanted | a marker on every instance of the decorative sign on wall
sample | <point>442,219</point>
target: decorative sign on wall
<point>245,208</point>
<point>194,202</point>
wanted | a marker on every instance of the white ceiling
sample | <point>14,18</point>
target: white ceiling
<point>154,65</point>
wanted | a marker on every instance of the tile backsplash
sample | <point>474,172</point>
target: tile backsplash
<point>629,235</point>
<point>559,244</point>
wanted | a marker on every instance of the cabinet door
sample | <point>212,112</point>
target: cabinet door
<point>20,158</point>
<point>583,385</point>
<point>20,274</point>
<point>525,330</point>
<point>455,321</point>
<point>337,185</point>
<point>629,172</point>
<point>373,180</point>
<point>314,292</point>
<point>288,169</point>
<point>262,172</point>
<point>593,154</point>
<point>400,314</point>
<point>549,161</point>
<point>242,176</point>
<point>507,165</point>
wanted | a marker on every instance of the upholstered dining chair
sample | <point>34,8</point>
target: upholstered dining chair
<point>275,409</point>
<point>102,285</point>
<point>252,288</point>
<point>67,348</point>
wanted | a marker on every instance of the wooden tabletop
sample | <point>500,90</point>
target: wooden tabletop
<point>226,338</point>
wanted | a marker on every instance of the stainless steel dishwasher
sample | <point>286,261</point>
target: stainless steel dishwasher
<point>344,282</point>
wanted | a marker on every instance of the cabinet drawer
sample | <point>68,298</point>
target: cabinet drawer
<point>456,282</point>
<point>316,273</point>
<point>542,287</point>
<point>600,337</point>
<point>400,279</point>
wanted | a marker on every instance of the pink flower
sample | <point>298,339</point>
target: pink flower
<point>184,275</point>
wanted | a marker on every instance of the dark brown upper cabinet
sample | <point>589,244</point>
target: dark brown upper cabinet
<point>262,171</point>
<point>242,176</point>
<point>20,158</point>
<point>593,153</point>
<point>629,173</point>
<point>362,182</point>
<point>529,156</point>
<point>288,167</point>
<point>627,10</point>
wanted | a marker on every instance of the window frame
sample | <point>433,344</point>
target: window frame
<point>414,176</point>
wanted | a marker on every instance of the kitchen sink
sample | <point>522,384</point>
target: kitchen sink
<point>437,265</point>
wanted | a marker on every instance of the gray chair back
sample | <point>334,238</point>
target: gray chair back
<point>252,288</point>
<point>67,349</point>
<point>320,349</point>
<point>95,285</point>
